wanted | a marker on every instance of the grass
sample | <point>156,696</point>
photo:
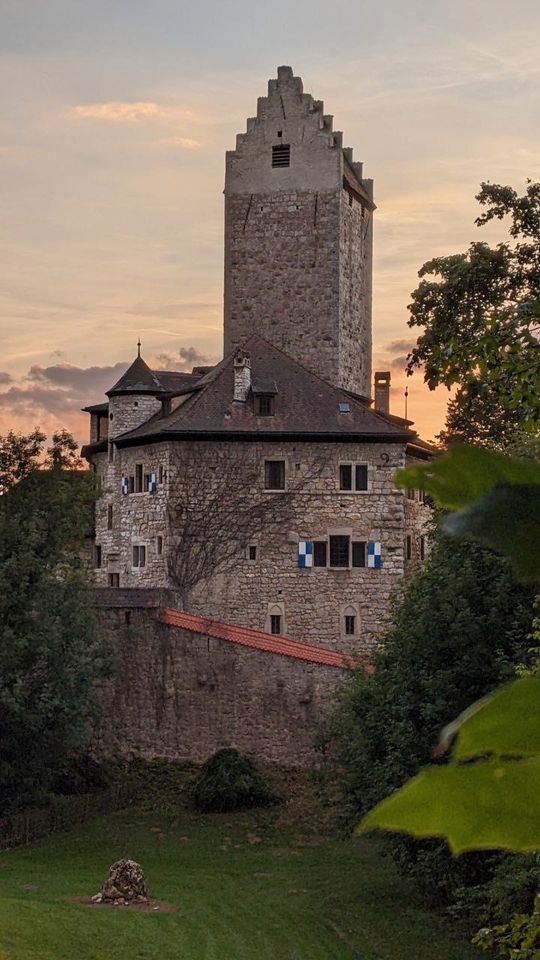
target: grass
<point>249,886</point>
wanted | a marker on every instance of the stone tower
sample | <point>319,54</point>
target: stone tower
<point>298,238</point>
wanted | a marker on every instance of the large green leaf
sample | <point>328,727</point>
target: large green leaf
<point>506,518</point>
<point>485,805</point>
<point>505,724</point>
<point>464,474</point>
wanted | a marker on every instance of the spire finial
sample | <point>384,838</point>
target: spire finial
<point>139,347</point>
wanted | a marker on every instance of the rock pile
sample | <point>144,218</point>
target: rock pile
<point>125,884</point>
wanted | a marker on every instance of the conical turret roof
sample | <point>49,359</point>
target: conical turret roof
<point>139,378</point>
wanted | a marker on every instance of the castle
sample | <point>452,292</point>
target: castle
<point>259,493</point>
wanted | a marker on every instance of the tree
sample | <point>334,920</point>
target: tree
<point>50,652</point>
<point>218,507</point>
<point>480,314</point>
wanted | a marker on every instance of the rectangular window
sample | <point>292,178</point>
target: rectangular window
<point>109,517</point>
<point>345,476</point>
<point>350,625</point>
<point>139,556</point>
<point>160,474</point>
<point>159,546</point>
<point>422,548</point>
<point>339,551</point>
<point>320,550</point>
<point>359,553</point>
<point>97,555</point>
<point>132,484</point>
<point>252,552</point>
<point>264,405</point>
<point>275,623</point>
<point>114,580</point>
<point>274,474</point>
<point>138,478</point>
<point>281,155</point>
<point>408,547</point>
<point>361,476</point>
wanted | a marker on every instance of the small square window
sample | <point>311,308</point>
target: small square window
<point>114,580</point>
<point>320,550</point>
<point>97,555</point>
<point>252,552</point>
<point>274,474</point>
<point>275,623</point>
<point>359,553</point>
<point>345,476</point>
<point>281,155</point>
<point>350,625</point>
<point>109,517</point>
<point>339,551</point>
<point>264,405</point>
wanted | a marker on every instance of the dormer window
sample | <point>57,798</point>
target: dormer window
<point>264,405</point>
<point>281,155</point>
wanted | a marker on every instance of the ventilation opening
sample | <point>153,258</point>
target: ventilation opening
<point>281,155</point>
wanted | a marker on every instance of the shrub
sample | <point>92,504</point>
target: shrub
<point>230,781</point>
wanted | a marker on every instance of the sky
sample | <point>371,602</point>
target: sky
<point>114,121</point>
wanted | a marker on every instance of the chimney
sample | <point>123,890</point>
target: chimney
<point>242,376</point>
<point>382,391</point>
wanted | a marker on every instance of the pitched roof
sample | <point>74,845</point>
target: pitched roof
<point>305,405</point>
<point>259,640</point>
<point>138,378</point>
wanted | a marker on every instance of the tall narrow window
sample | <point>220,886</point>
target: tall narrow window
<point>109,517</point>
<point>97,555</point>
<point>320,548</point>
<point>139,478</point>
<point>408,547</point>
<point>361,476</point>
<point>252,552</point>
<point>281,155</point>
<point>350,625</point>
<point>359,553</point>
<point>274,474</point>
<point>114,579</point>
<point>159,546</point>
<point>139,556</point>
<point>345,476</point>
<point>275,623</point>
<point>422,548</point>
<point>339,551</point>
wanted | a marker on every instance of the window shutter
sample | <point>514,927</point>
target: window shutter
<point>305,554</point>
<point>374,555</point>
<point>152,483</point>
<point>124,486</point>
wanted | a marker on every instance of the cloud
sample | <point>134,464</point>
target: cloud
<point>81,380</point>
<point>184,360</point>
<point>185,143</point>
<point>395,346</point>
<point>5,377</point>
<point>118,111</point>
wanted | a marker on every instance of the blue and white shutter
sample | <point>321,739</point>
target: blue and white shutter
<point>152,483</point>
<point>374,555</point>
<point>305,554</point>
<point>124,485</point>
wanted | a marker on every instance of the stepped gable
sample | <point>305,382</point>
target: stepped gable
<point>305,405</point>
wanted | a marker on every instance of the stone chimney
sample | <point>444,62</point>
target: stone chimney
<point>242,376</point>
<point>382,391</point>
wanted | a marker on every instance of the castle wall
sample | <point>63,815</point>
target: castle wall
<point>181,696</point>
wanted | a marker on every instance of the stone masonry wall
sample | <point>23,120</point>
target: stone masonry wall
<point>312,602</point>
<point>182,696</point>
<point>355,295</point>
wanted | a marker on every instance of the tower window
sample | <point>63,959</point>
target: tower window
<point>97,555</point>
<point>350,625</point>
<point>281,155</point>
<point>280,133</point>
<point>109,517</point>
<point>275,623</point>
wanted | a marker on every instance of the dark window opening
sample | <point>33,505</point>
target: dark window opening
<point>160,475</point>
<point>359,554</point>
<point>345,476</point>
<point>339,551</point>
<point>274,474</point>
<point>320,550</point>
<point>114,580</point>
<point>422,548</point>
<point>132,484</point>
<point>281,155</point>
<point>111,416</point>
<point>264,405</point>
<point>350,625</point>
<point>275,623</point>
<point>109,517</point>
<point>280,133</point>
<point>361,476</point>
<point>97,555</point>
<point>252,552</point>
<point>408,547</point>
<point>138,478</point>
<point>159,546</point>
<point>139,556</point>
<point>146,482</point>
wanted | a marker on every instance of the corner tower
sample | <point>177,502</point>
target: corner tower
<point>298,238</point>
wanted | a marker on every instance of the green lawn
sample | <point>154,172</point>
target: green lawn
<point>292,896</point>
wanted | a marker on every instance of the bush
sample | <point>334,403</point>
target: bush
<point>229,781</point>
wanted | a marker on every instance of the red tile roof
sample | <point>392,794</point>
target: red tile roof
<point>268,642</point>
